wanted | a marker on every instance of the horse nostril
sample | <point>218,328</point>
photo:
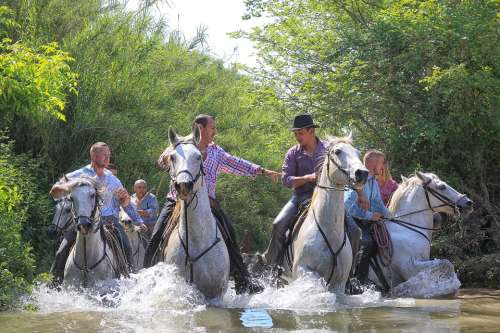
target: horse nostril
<point>469,203</point>
<point>190,186</point>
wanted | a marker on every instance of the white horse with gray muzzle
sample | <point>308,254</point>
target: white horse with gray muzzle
<point>411,272</point>
<point>321,245</point>
<point>196,246</point>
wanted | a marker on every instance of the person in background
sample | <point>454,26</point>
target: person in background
<point>386,184</point>
<point>146,204</point>
<point>360,220</point>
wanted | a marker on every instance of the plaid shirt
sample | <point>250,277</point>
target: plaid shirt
<point>217,161</point>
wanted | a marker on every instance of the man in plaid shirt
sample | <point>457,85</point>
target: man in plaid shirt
<point>215,161</point>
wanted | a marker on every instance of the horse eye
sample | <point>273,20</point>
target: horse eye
<point>172,158</point>
<point>441,187</point>
<point>198,157</point>
<point>337,151</point>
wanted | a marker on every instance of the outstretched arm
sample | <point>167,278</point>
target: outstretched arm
<point>124,199</point>
<point>235,165</point>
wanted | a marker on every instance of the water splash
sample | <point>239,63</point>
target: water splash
<point>160,289</point>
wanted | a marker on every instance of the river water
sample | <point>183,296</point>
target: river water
<point>157,300</point>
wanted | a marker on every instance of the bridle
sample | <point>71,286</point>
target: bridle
<point>96,222</point>
<point>195,179</point>
<point>445,201</point>
<point>340,168</point>
<point>60,230</point>
<point>334,254</point>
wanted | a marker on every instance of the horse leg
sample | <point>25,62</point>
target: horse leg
<point>428,278</point>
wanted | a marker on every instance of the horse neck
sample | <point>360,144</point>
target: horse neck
<point>91,244</point>
<point>200,221</point>
<point>414,200</point>
<point>328,203</point>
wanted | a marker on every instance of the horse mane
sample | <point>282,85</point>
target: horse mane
<point>405,186</point>
<point>83,180</point>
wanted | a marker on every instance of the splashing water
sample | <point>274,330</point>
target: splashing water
<point>159,300</point>
<point>160,288</point>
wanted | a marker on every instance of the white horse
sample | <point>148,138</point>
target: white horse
<point>196,247</point>
<point>411,272</point>
<point>91,259</point>
<point>321,246</point>
<point>137,240</point>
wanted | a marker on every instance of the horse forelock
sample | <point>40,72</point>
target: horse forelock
<point>82,181</point>
<point>334,140</point>
<point>407,185</point>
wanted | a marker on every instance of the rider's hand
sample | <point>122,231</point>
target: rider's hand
<point>56,191</point>
<point>363,201</point>
<point>273,175</point>
<point>123,196</point>
<point>376,216</point>
<point>143,213</point>
<point>143,227</point>
<point>311,177</point>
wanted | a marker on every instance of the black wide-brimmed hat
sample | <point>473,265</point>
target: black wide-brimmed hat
<point>303,121</point>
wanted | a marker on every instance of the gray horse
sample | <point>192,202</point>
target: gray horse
<point>196,246</point>
<point>321,246</point>
<point>62,220</point>
<point>138,239</point>
<point>91,259</point>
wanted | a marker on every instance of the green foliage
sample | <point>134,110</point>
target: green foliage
<point>34,81</point>
<point>16,261</point>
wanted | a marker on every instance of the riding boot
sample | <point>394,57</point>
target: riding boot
<point>62,254</point>
<point>157,234</point>
<point>242,279</point>
<point>125,244</point>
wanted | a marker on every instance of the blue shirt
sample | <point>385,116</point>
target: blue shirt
<point>372,193</point>
<point>148,204</point>
<point>111,205</point>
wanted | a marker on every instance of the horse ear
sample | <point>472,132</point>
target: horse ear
<point>421,175</point>
<point>172,135</point>
<point>196,134</point>
<point>403,178</point>
<point>350,137</point>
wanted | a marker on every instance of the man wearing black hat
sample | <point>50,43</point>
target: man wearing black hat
<point>302,162</point>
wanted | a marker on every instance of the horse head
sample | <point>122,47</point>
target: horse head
<point>84,193</point>
<point>185,162</point>
<point>344,165</point>
<point>62,217</point>
<point>441,197</point>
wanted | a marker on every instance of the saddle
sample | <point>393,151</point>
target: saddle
<point>110,236</point>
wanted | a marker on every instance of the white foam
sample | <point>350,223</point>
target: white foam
<point>161,289</point>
